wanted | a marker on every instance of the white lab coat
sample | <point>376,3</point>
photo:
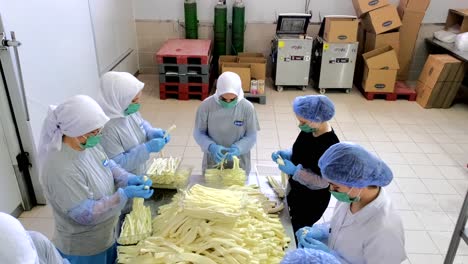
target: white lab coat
<point>372,235</point>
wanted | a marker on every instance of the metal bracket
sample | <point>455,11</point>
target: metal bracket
<point>5,43</point>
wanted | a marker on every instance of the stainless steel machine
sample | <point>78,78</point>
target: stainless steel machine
<point>291,51</point>
<point>333,64</point>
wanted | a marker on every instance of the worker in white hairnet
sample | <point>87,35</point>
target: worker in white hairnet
<point>365,227</point>
<point>314,113</point>
<point>25,247</point>
<point>85,188</point>
<point>226,124</point>
<point>127,138</point>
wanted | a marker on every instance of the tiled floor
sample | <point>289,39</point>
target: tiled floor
<point>426,148</point>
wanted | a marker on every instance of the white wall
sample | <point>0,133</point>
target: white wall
<point>267,10</point>
<point>57,54</point>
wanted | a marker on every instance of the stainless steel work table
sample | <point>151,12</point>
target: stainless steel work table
<point>163,196</point>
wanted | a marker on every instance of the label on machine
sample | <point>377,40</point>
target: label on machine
<point>297,58</point>
<point>338,60</point>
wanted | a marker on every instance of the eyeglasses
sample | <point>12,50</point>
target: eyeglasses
<point>96,132</point>
<point>227,100</point>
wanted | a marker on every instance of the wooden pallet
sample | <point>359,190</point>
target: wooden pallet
<point>254,97</point>
<point>185,88</point>
<point>401,91</point>
<point>184,51</point>
<point>183,96</point>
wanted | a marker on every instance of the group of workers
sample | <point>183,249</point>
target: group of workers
<point>93,155</point>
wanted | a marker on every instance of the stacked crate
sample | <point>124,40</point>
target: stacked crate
<point>184,69</point>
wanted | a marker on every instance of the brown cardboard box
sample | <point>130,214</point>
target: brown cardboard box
<point>439,100</point>
<point>451,94</point>
<point>380,70</point>
<point>243,70</point>
<point>457,17</point>
<point>439,68</point>
<point>250,54</point>
<point>257,67</point>
<point>225,59</point>
<point>426,95</point>
<point>364,6</point>
<point>374,41</point>
<point>340,29</point>
<point>415,5</point>
<point>382,20</point>
<point>409,32</point>
<point>359,69</point>
<point>441,78</point>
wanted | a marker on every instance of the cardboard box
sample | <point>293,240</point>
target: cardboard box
<point>426,95</point>
<point>341,29</point>
<point>225,59</point>
<point>451,94</point>
<point>381,66</point>
<point>243,70</point>
<point>382,20</point>
<point>364,6</point>
<point>439,68</point>
<point>359,69</point>
<point>439,81</point>
<point>257,67</point>
<point>250,54</point>
<point>415,5</point>
<point>409,32</point>
<point>374,41</point>
<point>457,17</point>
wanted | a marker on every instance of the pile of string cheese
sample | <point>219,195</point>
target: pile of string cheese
<point>208,226</point>
<point>166,172</point>
<point>220,176</point>
<point>137,225</point>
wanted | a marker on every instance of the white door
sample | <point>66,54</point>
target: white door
<point>10,197</point>
<point>16,132</point>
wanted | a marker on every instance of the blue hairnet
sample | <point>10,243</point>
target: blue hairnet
<point>351,165</point>
<point>315,108</point>
<point>309,256</point>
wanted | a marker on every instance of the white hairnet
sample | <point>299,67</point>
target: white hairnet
<point>117,91</point>
<point>16,244</point>
<point>75,117</point>
<point>229,82</point>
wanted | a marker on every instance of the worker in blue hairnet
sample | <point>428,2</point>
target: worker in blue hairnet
<point>127,138</point>
<point>86,190</point>
<point>309,256</point>
<point>365,227</point>
<point>309,196</point>
<point>226,124</point>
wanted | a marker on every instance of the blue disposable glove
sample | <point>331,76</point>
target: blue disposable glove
<point>139,180</point>
<point>314,244</point>
<point>217,152</point>
<point>155,144</point>
<point>133,191</point>
<point>155,133</point>
<point>319,232</point>
<point>232,151</point>
<point>288,167</point>
<point>135,180</point>
<point>284,154</point>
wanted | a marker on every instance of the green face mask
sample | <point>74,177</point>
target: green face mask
<point>344,197</point>
<point>132,108</point>
<point>91,141</point>
<point>228,105</point>
<point>307,129</point>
